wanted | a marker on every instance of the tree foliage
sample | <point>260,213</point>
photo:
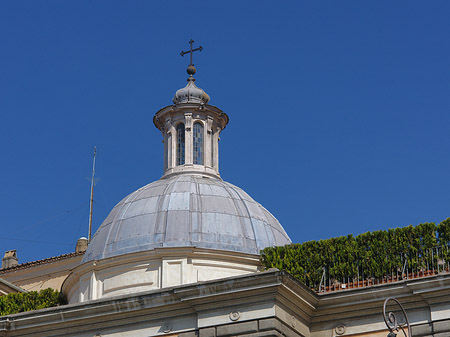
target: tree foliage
<point>378,253</point>
<point>32,300</point>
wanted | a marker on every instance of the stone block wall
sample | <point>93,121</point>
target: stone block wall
<point>269,327</point>
<point>440,328</point>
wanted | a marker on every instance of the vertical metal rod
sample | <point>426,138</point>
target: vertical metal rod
<point>417,264</point>
<point>448,260</point>
<point>412,264</point>
<point>423,264</point>
<point>420,263</point>
<point>357,272</point>
<point>362,272</point>
<point>191,43</point>
<point>401,259</point>
<point>322,280</point>
<point>92,196</point>
<point>437,253</point>
<point>432,260</point>
<point>329,278</point>
<point>396,273</point>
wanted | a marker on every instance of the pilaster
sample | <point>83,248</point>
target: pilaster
<point>171,134</point>
<point>215,149</point>
<point>207,146</point>
<point>188,138</point>
<point>166,131</point>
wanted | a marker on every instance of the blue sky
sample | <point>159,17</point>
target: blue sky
<point>339,111</point>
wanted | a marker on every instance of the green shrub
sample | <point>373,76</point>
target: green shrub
<point>32,300</point>
<point>378,253</point>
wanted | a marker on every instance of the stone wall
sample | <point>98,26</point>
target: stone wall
<point>270,327</point>
<point>439,328</point>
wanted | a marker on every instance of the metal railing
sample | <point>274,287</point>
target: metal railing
<point>405,266</point>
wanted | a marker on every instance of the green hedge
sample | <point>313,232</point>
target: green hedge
<point>32,300</point>
<point>376,254</point>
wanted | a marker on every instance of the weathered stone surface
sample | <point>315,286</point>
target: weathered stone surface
<point>275,324</point>
<point>269,324</point>
<point>288,332</point>
<point>207,332</point>
<point>444,334</point>
<point>237,328</point>
<point>270,333</point>
<point>441,326</point>
<point>188,334</point>
<point>422,330</point>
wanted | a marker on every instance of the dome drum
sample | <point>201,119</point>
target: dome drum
<point>154,269</point>
<point>212,121</point>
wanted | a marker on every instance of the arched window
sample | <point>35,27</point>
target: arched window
<point>180,144</point>
<point>198,143</point>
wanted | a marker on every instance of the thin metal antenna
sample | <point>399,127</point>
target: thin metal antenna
<point>92,196</point>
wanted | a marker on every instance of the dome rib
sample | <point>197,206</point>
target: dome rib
<point>242,200</point>
<point>167,192</point>
<point>133,198</point>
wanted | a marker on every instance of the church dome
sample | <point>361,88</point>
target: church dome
<point>186,210</point>
<point>190,94</point>
<point>189,226</point>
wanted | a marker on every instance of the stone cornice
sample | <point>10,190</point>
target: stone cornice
<point>163,303</point>
<point>159,118</point>
<point>312,310</point>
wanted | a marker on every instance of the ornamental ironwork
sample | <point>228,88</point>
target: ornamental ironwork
<point>391,321</point>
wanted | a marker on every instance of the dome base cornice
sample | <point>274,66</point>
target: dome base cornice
<point>199,170</point>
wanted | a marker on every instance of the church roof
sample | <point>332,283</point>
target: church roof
<point>186,210</point>
<point>9,287</point>
<point>40,262</point>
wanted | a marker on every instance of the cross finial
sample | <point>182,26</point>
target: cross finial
<point>191,69</point>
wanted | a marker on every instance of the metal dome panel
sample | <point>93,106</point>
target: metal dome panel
<point>186,210</point>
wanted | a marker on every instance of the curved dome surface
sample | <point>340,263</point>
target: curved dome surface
<point>186,210</point>
<point>190,94</point>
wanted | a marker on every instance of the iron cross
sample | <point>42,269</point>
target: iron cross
<point>191,51</point>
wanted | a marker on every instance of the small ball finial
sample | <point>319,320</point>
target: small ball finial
<point>191,69</point>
